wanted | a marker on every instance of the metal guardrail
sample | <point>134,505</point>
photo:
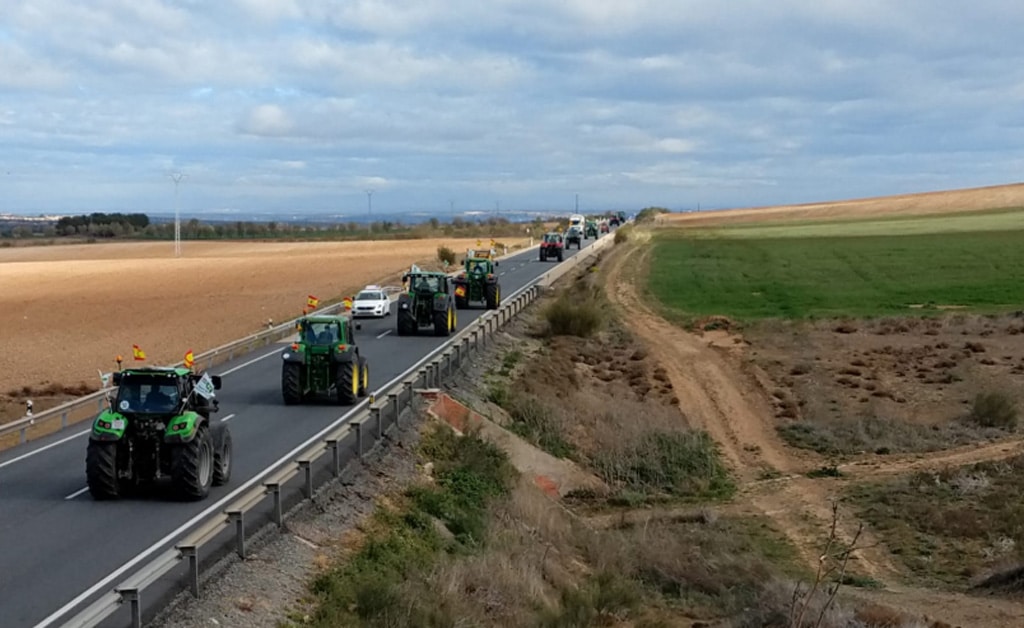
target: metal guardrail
<point>88,405</point>
<point>382,411</point>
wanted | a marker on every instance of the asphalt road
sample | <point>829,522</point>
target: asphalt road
<point>59,549</point>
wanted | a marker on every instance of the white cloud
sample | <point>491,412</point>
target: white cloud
<point>283,103</point>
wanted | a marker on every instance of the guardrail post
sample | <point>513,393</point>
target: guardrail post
<point>237,517</point>
<point>447,363</point>
<point>275,488</point>
<point>131,595</point>
<point>393,400</point>
<point>423,375</point>
<point>22,432</point>
<point>458,352</point>
<point>335,456</point>
<point>359,439</point>
<point>435,372</point>
<point>63,420</point>
<point>307,468</point>
<point>375,413</point>
<point>189,552</point>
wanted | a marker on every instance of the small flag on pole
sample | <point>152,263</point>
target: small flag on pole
<point>347,302</point>
<point>190,359</point>
<point>460,291</point>
<point>312,301</point>
<point>104,378</point>
<point>138,353</point>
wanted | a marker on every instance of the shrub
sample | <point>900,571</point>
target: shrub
<point>622,234</point>
<point>574,317</point>
<point>446,255</point>
<point>994,410</point>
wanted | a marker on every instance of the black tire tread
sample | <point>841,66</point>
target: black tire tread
<point>343,383</point>
<point>291,383</point>
<point>222,472</point>
<point>101,470</point>
<point>185,467</point>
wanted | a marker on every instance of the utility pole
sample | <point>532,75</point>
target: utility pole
<point>177,177</point>
<point>577,203</point>
<point>369,211</point>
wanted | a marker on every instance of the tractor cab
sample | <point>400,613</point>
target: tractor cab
<point>428,300</point>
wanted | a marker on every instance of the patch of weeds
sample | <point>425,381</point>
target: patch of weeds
<point>509,362</point>
<point>602,599</point>
<point>536,422</point>
<point>861,582</point>
<point>837,437</point>
<point>827,471</point>
<point>683,464</point>
<point>498,394</point>
<point>994,409</point>
<point>365,590</point>
<point>576,313</point>
<point>951,526</point>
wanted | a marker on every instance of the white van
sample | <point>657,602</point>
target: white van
<point>577,220</point>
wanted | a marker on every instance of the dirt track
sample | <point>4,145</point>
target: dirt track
<point>722,393</point>
<point>66,311</point>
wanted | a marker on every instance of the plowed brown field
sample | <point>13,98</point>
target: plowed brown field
<point>66,311</point>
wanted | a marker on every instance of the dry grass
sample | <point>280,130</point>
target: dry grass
<point>942,202</point>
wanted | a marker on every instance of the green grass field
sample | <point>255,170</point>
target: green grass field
<point>831,275</point>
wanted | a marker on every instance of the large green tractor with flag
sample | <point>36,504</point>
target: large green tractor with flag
<point>428,301</point>
<point>478,281</point>
<point>158,428</point>
<point>324,361</point>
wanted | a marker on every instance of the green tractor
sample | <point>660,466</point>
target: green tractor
<point>478,281</point>
<point>158,427</point>
<point>324,360</point>
<point>427,302</point>
<point>590,231</point>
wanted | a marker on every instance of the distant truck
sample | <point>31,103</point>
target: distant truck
<point>577,220</point>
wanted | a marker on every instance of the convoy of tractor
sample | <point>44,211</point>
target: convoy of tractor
<point>157,430</point>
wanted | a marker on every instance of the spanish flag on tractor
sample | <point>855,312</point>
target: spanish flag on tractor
<point>347,302</point>
<point>138,353</point>
<point>190,359</point>
<point>312,301</point>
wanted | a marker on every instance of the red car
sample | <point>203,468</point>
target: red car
<point>551,246</point>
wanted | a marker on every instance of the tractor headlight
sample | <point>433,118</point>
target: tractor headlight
<point>286,355</point>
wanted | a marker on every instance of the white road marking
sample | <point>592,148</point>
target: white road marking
<point>227,418</point>
<point>381,335</point>
<point>252,361</point>
<point>42,449</point>
<point>77,493</point>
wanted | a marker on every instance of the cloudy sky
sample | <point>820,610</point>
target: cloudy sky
<point>267,105</point>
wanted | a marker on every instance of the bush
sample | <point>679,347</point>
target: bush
<point>446,255</point>
<point>622,234</point>
<point>994,410</point>
<point>574,317</point>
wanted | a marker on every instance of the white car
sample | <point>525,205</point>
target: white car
<point>371,301</point>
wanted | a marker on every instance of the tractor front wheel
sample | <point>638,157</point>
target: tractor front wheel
<point>347,383</point>
<point>291,384</point>
<point>101,470</point>
<point>192,466</point>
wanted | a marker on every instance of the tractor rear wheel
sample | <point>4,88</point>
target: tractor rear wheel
<point>406,323</point>
<point>493,296</point>
<point>347,382</point>
<point>192,466</point>
<point>364,377</point>
<point>222,459</point>
<point>101,470</point>
<point>543,257</point>
<point>443,322</point>
<point>291,383</point>
<point>559,256</point>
